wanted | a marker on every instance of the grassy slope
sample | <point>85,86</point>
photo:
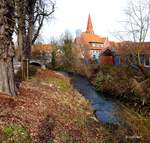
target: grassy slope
<point>48,110</point>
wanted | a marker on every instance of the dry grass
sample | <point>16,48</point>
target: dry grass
<point>50,111</point>
<point>139,124</point>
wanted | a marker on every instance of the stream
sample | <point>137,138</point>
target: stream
<point>105,109</point>
<point>109,111</point>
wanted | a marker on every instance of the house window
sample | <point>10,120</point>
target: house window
<point>147,60</point>
<point>102,45</point>
<point>142,59</point>
<point>132,59</point>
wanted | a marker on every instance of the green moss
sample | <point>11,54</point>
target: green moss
<point>15,134</point>
<point>62,84</point>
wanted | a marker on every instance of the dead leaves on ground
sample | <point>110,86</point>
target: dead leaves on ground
<point>50,114</point>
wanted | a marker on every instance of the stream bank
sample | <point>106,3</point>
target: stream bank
<point>122,83</point>
<point>121,121</point>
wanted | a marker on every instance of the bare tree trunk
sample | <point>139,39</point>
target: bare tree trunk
<point>20,9</point>
<point>30,32</point>
<point>7,84</point>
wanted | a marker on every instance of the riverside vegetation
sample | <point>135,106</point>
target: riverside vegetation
<point>122,83</point>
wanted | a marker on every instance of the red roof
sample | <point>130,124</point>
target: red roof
<point>89,36</point>
<point>92,38</point>
<point>128,47</point>
<point>42,47</point>
<point>89,26</point>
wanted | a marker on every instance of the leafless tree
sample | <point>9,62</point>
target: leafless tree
<point>138,22</point>
<point>43,10</point>
<point>136,27</point>
<point>30,18</point>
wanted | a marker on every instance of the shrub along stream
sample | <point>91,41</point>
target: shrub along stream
<point>125,85</point>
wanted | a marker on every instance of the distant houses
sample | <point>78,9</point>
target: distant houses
<point>96,48</point>
<point>42,51</point>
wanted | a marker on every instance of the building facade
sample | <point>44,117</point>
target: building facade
<point>96,48</point>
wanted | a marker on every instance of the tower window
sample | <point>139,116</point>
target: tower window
<point>93,44</point>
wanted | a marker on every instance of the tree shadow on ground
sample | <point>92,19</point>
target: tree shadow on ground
<point>45,130</point>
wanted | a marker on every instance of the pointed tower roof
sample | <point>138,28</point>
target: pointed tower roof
<point>89,26</point>
<point>107,43</point>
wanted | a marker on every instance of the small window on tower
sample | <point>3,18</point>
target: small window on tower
<point>93,44</point>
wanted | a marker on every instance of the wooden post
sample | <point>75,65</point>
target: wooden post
<point>27,69</point>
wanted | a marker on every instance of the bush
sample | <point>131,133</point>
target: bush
<point>15,134</point>
<point>103,82</point>
<point>117,81</point>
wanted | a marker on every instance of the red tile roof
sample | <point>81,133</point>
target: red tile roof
<point>92,38</point>
<point>42,47</point>
<point>128,47</point>
<point>89,36</point>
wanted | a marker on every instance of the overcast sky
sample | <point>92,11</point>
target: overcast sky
<point>73,14</point>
